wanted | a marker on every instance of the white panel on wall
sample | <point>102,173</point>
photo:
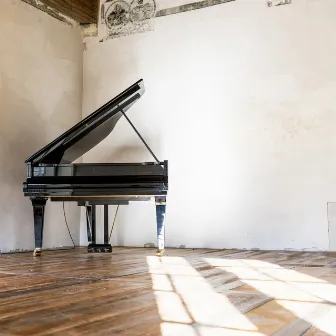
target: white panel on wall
<point>331,213</point>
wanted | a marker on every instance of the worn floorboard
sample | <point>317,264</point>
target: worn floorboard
<point>188,292</point>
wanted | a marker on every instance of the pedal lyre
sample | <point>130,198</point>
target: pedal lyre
<point>100,248</point>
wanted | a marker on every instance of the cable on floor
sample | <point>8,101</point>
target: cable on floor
<point>114,220</point>
<point>66,222</point>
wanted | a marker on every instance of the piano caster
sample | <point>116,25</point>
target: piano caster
<point>37,252</point>
<point>160,253</point>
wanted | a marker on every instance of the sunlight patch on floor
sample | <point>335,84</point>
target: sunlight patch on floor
<point>190,299</point>
<point>306,297</point>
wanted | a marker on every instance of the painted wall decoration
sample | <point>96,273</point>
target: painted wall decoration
<point>186,7</point>
<point>271,3</point>
<point>125,17</point>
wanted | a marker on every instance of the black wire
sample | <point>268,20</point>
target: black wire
<point>66,222</point>
<point>115,217</point>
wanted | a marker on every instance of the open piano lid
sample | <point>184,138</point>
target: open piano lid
<point>90,131</point>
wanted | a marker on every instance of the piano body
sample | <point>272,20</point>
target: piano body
<point>52,175</point>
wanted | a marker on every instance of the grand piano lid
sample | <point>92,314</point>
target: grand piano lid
<point>90,131</point>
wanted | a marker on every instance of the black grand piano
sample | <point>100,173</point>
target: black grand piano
<point>52,175</point>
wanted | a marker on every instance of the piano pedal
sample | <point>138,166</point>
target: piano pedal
<point>160,253</point>
<point>100,248</point>
<point>37,252</point>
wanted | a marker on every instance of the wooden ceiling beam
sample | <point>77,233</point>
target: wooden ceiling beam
<point>82,11</point>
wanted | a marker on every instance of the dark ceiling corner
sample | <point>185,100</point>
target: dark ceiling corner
<point>81,11</point>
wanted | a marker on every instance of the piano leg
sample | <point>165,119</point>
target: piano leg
<point>93,223</point>
<point>106,223</point>
<point>160,203</point>
<point>38,207</point>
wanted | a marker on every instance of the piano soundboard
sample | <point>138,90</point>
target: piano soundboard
<point>52,175</point>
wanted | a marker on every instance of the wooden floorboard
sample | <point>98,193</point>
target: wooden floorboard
<point>196,292</point>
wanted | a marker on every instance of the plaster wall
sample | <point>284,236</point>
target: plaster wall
<point>240,100</point>
<point>40,97</point>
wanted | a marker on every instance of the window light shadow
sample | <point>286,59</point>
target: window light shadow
<point>188,304</point>
<point>308,298</point>
<point>192,302</point>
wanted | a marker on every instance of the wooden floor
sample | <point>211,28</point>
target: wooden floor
<point>186,292</point>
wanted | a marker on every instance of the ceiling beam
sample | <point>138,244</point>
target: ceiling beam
<point>81,11</point>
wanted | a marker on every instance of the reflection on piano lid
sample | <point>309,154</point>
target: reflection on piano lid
<point>52,175</point>
<point>90,131</point>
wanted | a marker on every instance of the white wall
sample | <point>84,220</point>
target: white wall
<point>40,97</point>
<point>241,100</point>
